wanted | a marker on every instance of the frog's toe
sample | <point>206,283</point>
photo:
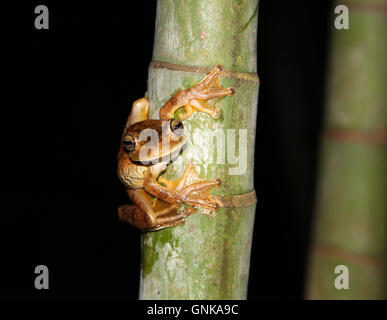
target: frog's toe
<point>215,114</point>
<point>209,212</point>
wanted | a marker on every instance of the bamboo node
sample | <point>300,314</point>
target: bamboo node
<point>246,76</point>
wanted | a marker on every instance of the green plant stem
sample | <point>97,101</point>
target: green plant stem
<point>207,258</point>
<point>351,226</point>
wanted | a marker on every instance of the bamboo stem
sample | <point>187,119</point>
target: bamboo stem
<point>207,258</point>
<point>351,226</point>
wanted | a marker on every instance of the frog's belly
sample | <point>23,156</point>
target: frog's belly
<point>133,178</point>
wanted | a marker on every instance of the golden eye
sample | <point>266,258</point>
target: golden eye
<point>129,143</point>
<point>177,127</point>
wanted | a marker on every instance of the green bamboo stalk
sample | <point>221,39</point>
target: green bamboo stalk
<point>351,226</point>
<point>207,258</point>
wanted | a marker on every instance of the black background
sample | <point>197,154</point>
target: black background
<point>68,93</point>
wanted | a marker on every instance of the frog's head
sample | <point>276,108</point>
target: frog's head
<point>154,140</point>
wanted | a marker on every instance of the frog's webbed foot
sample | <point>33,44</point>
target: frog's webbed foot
<point>188,177</point>
<point>198,194</point>
<point>194,189</point>
<point>207,89</point>
<point>194,98</point>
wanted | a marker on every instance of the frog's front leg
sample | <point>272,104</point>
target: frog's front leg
<point>189,188</point>
<point>194,99</point>
<point>145,216</point>
<point>188,177</point>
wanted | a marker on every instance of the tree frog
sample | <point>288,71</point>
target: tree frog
<point>156,201</point>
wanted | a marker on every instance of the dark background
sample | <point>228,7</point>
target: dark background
<point>69,92</point>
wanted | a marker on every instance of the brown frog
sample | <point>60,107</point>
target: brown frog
<point>148,145</point>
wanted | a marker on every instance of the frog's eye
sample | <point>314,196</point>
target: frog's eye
<point>177,127</point>
<point>129,143</point>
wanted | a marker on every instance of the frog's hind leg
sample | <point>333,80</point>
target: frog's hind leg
<point>166,218</point>
<point>134,216</point>
<point>141,213</point>
<point>139,111</point>
<point>150,219</point>
<point>145,215</point>
<point>173,218</point>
